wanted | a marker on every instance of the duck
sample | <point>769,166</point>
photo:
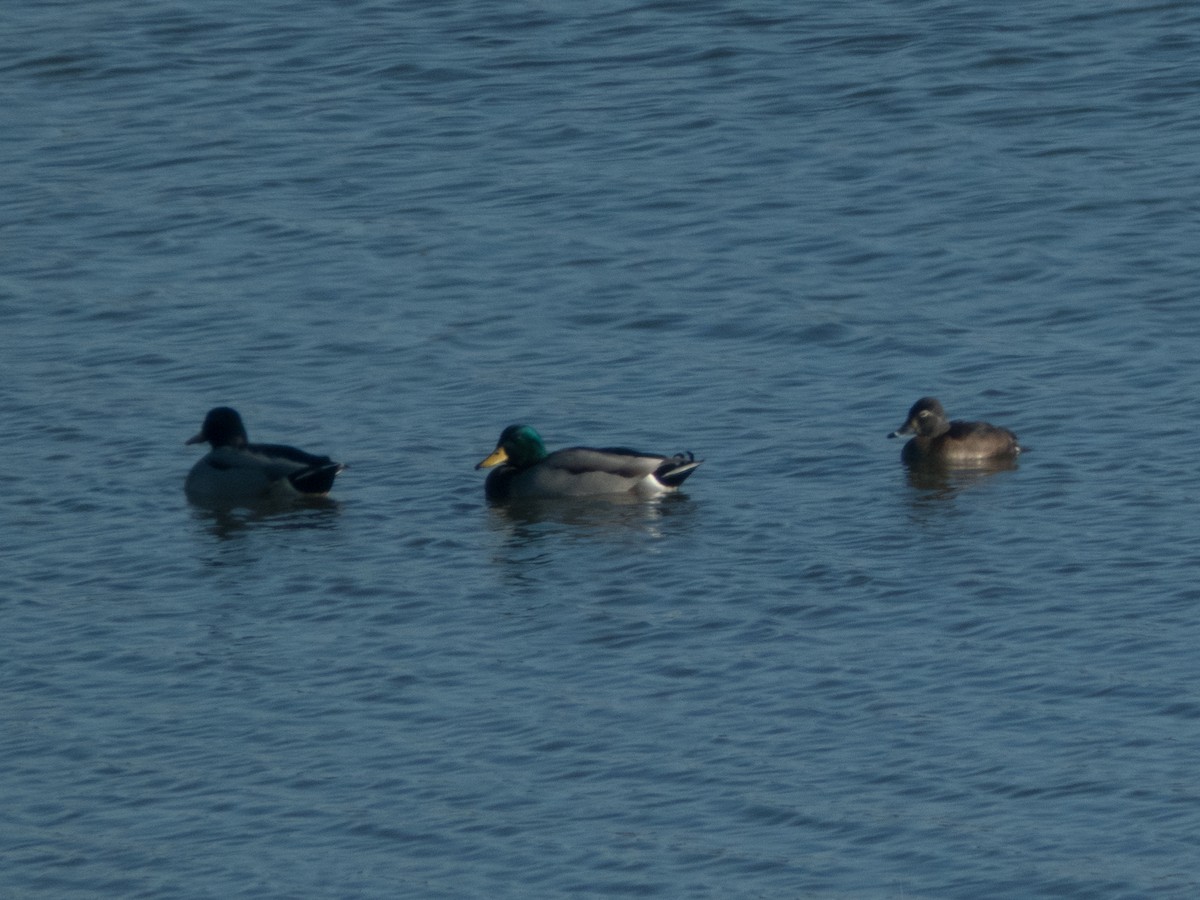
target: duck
<point>938,440</point>
<point>236,471</point>
<point>522,468</point>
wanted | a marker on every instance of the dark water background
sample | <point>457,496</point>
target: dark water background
<point>758,231</point>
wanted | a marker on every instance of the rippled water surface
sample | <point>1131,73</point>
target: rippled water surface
<point>758,231</point>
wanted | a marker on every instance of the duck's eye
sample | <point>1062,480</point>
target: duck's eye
<point>923,414</point>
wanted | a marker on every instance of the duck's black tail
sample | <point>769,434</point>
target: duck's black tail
<point>317,480</point>
<point>674,471</point>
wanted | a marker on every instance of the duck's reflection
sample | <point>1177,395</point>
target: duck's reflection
<point>227,522</point>
<point>939,480</point>
<point>617,515</point>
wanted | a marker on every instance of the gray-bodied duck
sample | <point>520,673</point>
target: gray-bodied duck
<point>236,471</point>
<point>525,469</point>
<point>938,440</point>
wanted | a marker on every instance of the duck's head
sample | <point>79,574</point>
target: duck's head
<point>519,446</point>
<point>925,419</point>
<point>222,428</point>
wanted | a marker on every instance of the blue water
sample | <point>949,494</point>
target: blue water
<point>757,231</point>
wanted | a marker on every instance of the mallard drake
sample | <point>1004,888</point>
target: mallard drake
<point>236,471</point>
<point>938,440</point>
<point>527,470</point>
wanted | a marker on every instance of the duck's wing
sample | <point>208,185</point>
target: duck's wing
<point>281,454</point>
<point>307,472</point>
<point>226,459</point>
<point>608,470</point>
<point>988,437</point>
<point>620,462</point>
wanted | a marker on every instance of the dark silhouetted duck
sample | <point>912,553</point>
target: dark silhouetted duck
<point>235,471</point>
<point>527,470</point>
<point>937,440</point>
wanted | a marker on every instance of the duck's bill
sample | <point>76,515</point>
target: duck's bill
<point>498,456</point>
<point>900,432</point>
<point>197,438</point>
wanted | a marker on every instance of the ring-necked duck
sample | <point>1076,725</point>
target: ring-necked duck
<point>236,471</point>
<point>527,470</point>
<point>941,441</point>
